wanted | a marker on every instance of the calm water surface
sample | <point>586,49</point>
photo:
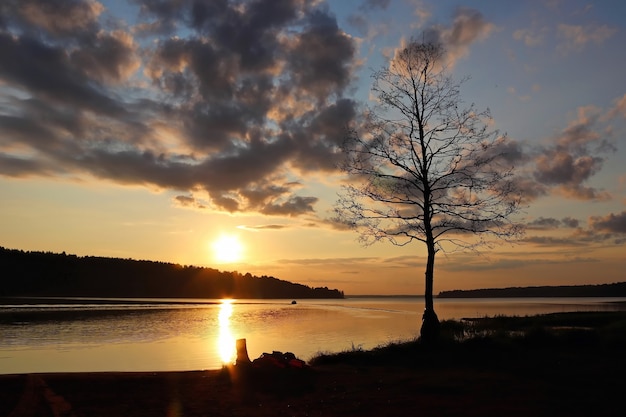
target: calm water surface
<point>164,337</point>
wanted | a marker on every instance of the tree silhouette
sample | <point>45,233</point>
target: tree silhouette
<point>423,168</point>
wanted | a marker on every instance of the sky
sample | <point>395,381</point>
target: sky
<point>207,133</point>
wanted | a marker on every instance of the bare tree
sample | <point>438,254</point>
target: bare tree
<point>425,169</point>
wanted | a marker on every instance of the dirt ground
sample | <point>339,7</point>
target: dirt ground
<point>553,383</point>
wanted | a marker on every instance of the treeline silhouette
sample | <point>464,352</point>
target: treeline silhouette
<point>47,274</point>
<point>602,290</point>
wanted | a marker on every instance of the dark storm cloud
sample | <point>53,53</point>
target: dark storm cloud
<point>360,19</point>
<point>56,18</point>
<point>570,222</point>
<point>543,223</point>
<point>510,154</point>
<point>247,166</point>
<point>185,200</point>
<point>107,57</point>
<point>565,168</point>
<point>252,33</point>
<point>369,5</point>
<point>611,223</point>
<point>71,45</point>
<point>33,134</point>
<point>320,59</point>
<point>46,72</point>
<point>328,127</point>
<point>222,96</point>
<point>21,167</point>
<point>294,206</point>
<point>561,164</point>
<point>189,202</point>
<point>599,229</point>
<point>553,241</point>
<point>263,227</point>
<point>574,156</point>
<point>160,16</point>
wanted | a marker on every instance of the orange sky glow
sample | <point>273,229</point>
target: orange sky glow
<point>209,136</point>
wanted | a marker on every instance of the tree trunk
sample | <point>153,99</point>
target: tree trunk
<point>430,322</point>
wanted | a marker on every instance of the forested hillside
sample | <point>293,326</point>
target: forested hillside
<point>45,274</point>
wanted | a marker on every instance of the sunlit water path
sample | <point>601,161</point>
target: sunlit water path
<point>152,336</point>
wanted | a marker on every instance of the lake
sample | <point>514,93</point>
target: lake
<point>149,335</point>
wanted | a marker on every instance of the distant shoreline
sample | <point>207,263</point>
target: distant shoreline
<point>564,291</point>
<point>601,290</point>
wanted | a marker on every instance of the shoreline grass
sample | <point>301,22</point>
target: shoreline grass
<point>498,334</point>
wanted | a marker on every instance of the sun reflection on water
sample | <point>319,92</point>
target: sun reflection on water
<point>226,339</point>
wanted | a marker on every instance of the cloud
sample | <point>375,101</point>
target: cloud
<point>372,5</point>
<point>599,229</point>
<point>330,261</point>
<point>361,21</point>
<point>317,59</point>
<point>507,262</point>
<point>563,163</point>
<point>405,262</point>
<point>58,18</point>
<point>543,223</point>
<point>221,98</point>
<point>256,228</point>
<point>619,109</point>
<point>189,202</point>
<point>109,57</point>
<point>22,167</point>
<point>576,37</point>
<point>292,207</point>
<point>570,222</point>
<point>185,200</point>
<point>422,12</point>
<point>611,223</point>
<point>551,241</point>
<point>337,223</point>
<point>510,152</point>
<point>530,37</point>
<point>46,72</point>
<point>468,27</point>
<point>574,156</point>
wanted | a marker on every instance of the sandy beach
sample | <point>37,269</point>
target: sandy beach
<point>555,381</point>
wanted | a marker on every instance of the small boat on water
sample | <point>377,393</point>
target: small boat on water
<point>294,302</point>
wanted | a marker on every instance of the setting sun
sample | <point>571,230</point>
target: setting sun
<point>227,249</point>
